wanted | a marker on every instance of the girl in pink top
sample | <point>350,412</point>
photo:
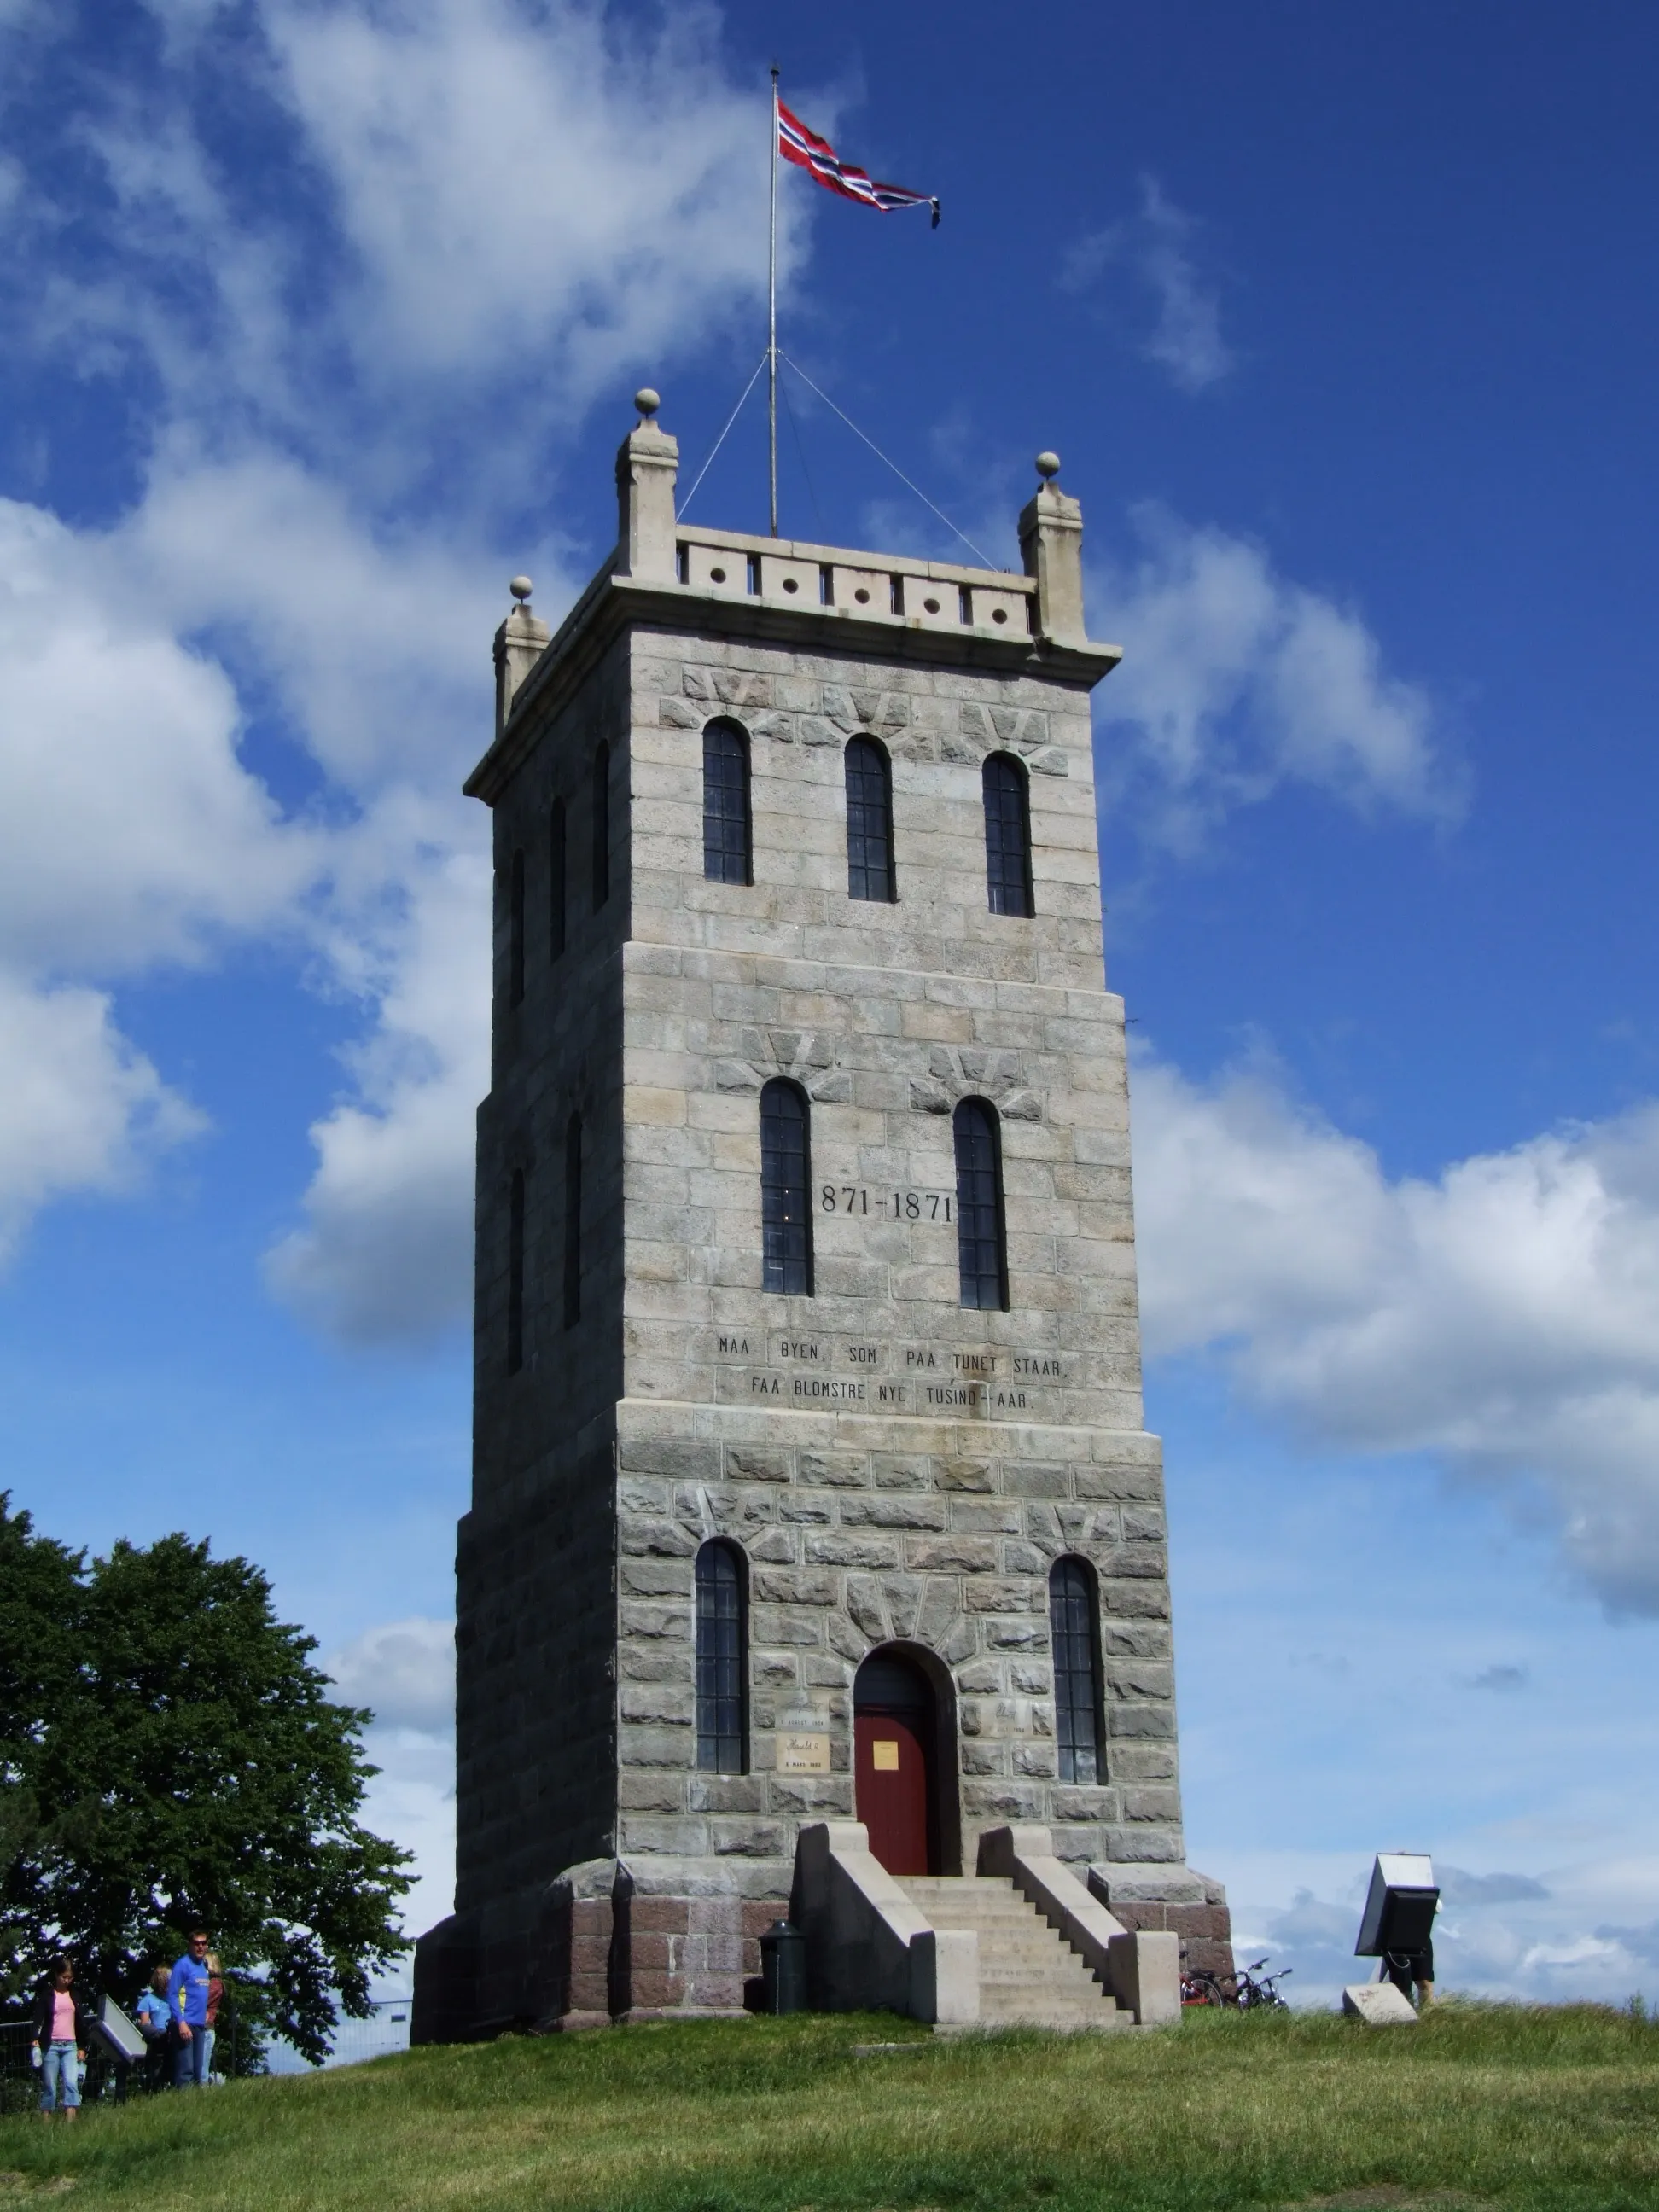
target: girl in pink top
<point>61,2022</point>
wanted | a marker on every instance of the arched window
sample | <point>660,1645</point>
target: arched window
<point>1007,836</point>
<point>981,1257</point>
<point>515,931</point>
<point>556,869</point>
<point>726,836</point>
<point>515,1273</point>
<point>1073,1628</point>
<point>786,1190</point>
<point>869,821</point>
<point>722,1661</point>
<point>601,826</point>
<point>573,1221</point>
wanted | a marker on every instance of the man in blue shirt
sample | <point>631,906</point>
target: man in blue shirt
<point>187,2001</point>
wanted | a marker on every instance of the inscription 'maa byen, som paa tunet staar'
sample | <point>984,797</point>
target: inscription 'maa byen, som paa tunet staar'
<point>811,1485</point>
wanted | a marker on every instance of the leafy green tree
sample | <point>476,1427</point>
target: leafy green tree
<point>169,1753</point>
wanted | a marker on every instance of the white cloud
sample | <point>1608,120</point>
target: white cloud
<point>1236,681</point>
<point>529,188</point>
<point>387,1249</point>
<point>1503,1317</point>
<point>130,831</point>
<point>1497,1935</point>
<point>376,639</point>
<point>80,1109</point>
<point>485,214</point>
<point>131,834</point>
<point>1156,244</point>
<point>404,1670</point>
<point>488,211</point>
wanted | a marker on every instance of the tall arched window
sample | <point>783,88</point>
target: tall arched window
<point>869,821</point>
<point>573,1221</point>
<point>515,931</point>
<point>722,1661</point>
<point>727,855</point>
<point>601,825</point>
<point>515,1273</point>
<point>556,875</point>
<point>1074,1629</point>
<point>1007,836</point>
<point>786,1190</point>
<point>981,1257</point>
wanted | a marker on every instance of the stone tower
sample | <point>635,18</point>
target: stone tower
<point>807,1381</point>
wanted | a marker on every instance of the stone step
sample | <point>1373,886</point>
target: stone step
<point>1027,1975</point>
<point>1034,1963</point>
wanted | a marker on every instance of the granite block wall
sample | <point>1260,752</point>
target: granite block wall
<point>894,1467</point>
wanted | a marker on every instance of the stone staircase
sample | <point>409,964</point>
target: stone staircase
<point>1027,1976</point>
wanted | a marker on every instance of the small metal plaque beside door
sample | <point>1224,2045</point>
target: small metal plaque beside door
<point>803,1755</point>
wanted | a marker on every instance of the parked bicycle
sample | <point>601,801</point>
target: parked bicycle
<point>1247,1991</point>
<point>1261,1996</point>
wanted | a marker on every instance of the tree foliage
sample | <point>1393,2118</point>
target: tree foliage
<point>169,1753</point>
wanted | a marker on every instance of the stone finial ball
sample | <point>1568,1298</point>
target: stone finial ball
<point>1048,465</point>
<point>648,401</point>
<point>521,587</point>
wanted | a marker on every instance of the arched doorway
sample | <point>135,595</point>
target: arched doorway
<point>895,1750</point>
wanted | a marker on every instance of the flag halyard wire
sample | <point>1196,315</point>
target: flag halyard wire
<point>680,512</point>
<point>880,456</point>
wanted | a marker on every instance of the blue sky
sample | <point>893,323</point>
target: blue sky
<point>322,318</point>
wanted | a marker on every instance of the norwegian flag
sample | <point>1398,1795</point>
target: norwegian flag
<point>816,155</point>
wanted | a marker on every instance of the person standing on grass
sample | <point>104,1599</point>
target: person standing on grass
<point>1411,1971</point>
<point>59,2049</point>
<point>187,2001</point>
<point>215,1991</point>
<point>154,2018</point>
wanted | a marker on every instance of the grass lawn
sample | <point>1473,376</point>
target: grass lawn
<point>1477,2106</point>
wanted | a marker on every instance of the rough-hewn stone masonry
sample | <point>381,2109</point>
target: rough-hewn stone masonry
<point>889,1468</point>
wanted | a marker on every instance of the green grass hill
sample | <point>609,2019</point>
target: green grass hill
<point>1476,2107</point>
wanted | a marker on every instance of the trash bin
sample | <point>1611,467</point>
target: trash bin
<point>783,1967</point>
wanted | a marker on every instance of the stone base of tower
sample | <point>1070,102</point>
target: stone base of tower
<point>605,1942</point>
<point>610,1941</point>
<point>1174,1898</point>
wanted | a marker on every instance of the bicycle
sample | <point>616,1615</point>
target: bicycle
<point>1246,1991</point>
<point>1261,1996</point>
<point>1201,1989</point>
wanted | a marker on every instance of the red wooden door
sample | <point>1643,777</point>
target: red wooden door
<point>890,1779</point>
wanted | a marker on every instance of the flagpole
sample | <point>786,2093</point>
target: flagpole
<point>772,315</point>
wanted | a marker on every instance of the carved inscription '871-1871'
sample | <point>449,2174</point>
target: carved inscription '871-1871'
<point>872,1205</point>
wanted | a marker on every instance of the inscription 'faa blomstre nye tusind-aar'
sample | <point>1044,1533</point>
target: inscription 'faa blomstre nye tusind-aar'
<point>805,1370</point>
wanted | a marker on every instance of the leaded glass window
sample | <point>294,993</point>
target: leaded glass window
<point>1077,1670</point>
<point>1007,837</point>
<point>869,821</point>
<point>555,879</point>
<point>515,1273</point>
<point>515,930</point>
<point>980,1257</point>
<point>721,1733</point>
<point>785,1191</point>
<point>573,1221</point>
<point>601,826</point>
<point>726,857</point>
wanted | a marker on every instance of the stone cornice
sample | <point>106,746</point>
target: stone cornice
<point>614,603</point>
